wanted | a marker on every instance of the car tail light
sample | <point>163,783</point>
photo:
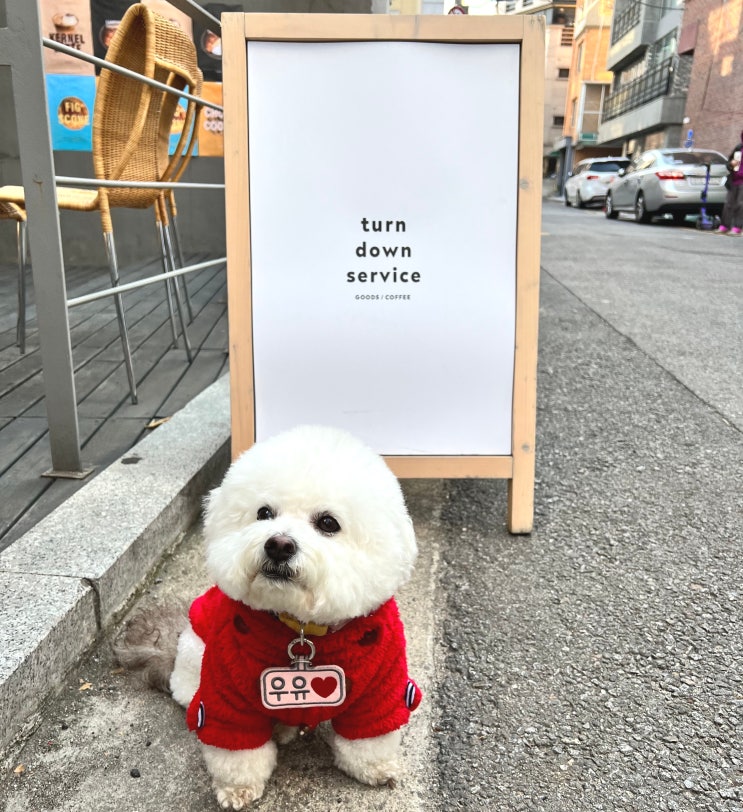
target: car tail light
<point>592,177</point>
<point>670,175</point>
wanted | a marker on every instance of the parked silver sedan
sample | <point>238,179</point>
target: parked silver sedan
<point>668,181</point>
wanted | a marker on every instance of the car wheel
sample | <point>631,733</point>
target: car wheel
<point>579,200</point>
<point>641,214</point>
<point>609,209</point>
<point>567,199</point>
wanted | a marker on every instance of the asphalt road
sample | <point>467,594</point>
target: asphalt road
<point>675,292</point>
<point>594,666</point>
<point>598,665</point>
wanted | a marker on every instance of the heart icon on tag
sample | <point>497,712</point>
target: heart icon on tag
<point>323,686</point>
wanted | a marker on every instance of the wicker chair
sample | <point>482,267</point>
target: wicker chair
<point>131,135</point>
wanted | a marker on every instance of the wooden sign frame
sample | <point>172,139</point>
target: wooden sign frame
<point>527,31</point>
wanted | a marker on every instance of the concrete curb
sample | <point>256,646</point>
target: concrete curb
<point>65,580</point>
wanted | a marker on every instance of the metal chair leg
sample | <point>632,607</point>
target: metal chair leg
<point>172,290</point>
<point>181,263</point>
<point>177,281</point>
<point>168,287</point>
<point>113,267</point>
<point>22,241</point>
<point>181,318</point>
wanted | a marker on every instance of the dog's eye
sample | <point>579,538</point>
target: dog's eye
<point>264,513</point>
<point>328,524</point>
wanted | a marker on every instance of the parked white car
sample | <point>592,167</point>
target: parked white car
<point>589,180</point>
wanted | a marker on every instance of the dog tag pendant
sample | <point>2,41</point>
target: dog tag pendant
<point>303,685</point>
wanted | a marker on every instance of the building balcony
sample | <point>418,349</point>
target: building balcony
<point>625,21</point>
<point>631,33</point>
<point>653,84</point>
<point>656,113</point>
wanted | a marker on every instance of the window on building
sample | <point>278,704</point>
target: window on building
<point>669,5</point>
<point>563,73</point>
<point>558,121</point>
<point>662,49</point>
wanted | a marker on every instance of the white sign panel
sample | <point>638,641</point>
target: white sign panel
<point>383,189</point>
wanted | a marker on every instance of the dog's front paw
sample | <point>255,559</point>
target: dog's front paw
<point>238,797</point>
<point>239,776</point>
<point>371,761</point>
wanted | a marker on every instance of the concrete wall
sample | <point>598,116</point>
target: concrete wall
<point>201,213</point>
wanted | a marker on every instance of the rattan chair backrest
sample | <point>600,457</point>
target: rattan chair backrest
<point>132,121</point>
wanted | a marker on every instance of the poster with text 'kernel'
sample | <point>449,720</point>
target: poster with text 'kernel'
<point>69,23</point>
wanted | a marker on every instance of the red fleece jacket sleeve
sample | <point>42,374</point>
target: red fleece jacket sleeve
<point>225,721</point>
<point>388,697</point>
<point>220,713</point>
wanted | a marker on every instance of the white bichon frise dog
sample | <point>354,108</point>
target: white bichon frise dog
<point>308,538</point>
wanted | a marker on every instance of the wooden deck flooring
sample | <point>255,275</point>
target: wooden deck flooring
<point>109,423</point>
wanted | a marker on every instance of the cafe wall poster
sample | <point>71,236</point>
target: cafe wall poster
<point>176,128</point>
<point>170,12</point>
<point>383,204</point>
<point>69,23</point>
<point>71,100</point>
<point>106,18</point>
<point>107,15</point>
<point>211,122</point>
<point>209,43</point>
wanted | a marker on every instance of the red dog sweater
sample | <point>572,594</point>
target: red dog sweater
<point>240,643</point>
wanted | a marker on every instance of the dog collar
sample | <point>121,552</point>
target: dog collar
<point>297,626</point>
<point>313,629</point>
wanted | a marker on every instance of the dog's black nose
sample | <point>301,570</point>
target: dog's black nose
<point>280,548</point>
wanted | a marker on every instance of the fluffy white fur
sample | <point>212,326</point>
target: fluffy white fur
<point>184,681</point>
<point>239,776</point>
<point>301,475</point>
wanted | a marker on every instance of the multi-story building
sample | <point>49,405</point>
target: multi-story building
<point>645,106</point>
<point>558,52</point>
<point>559,18</point>
<point>711,33</point>
<point>588,83</point>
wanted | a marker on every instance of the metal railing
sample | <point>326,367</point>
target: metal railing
<point>102,63</point>
<point>21,49</point>
<point>652,85</point>
<point>625,20</point>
